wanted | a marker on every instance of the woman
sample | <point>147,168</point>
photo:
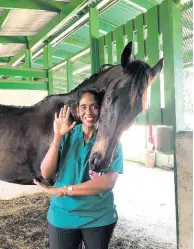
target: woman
<point>82,206</point>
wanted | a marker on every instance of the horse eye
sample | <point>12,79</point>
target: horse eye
<point>108,98</point>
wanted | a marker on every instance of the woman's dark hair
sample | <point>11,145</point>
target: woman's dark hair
<point>98,96</point>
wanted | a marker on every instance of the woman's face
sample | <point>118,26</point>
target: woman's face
<point>88,110</point>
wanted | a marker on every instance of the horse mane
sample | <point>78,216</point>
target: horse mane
<point>140,72</point>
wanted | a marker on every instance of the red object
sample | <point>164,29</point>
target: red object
<point>151,143</point>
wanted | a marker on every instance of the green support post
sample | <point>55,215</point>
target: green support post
<point>152,50</point>
<point>118,35</point>
<point>28,58</point>
<point>170,26</point>
<point>69,76</point>
<point>48,66</point>
<point>94,35</point>
<point>108,41</point>
<point>139,27</point>
<point>101,43</point>
<point>129,30</point>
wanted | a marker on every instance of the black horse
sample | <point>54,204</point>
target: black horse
<point>26,132</point>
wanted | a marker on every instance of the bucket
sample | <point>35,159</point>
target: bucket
<point>150,159</point>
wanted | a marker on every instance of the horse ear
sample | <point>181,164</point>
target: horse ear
<point>157,68</point>
<point>126,55</point>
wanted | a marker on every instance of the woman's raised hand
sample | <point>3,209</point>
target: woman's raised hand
<point>61,124</point>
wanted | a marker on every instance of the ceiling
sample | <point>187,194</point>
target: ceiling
<point>65,25</point>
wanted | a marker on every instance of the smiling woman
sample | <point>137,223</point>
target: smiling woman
<point>82,206</point>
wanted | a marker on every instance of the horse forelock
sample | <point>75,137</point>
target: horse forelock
<point>139,72</point>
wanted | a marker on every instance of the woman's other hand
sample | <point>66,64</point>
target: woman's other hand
<point>50,190</point>
<point>61,124</point>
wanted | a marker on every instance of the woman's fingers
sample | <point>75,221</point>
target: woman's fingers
<point>61,114</point>
<point>68,113</point>
<point>73,124</point>
<point>64,111</point>
<point>44,187</point>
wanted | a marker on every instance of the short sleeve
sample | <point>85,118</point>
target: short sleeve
<point>117,163</point>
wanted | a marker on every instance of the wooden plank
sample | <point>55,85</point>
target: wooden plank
<point>118,36</point>
<point>139,27</point>
<point>101,43</point>
<point>152,49</point>
<point>108,41</point>
<point>170,26</point>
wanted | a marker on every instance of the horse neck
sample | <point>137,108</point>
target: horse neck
<point>52,103</point>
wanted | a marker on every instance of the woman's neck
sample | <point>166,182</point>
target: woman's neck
<point>88,132</point>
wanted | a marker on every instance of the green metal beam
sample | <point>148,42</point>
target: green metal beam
<point>24,72</point>
<point>51,6</point>
<point>13,39</point>
<point>4,59</point>
<point>69,76</point>
<point>170,26</point>
<point>48,65</point>
<point>94,35</point>
<point>3,18</point>
<point>50,28</point>
<point>28,58</point>
<point>26,85</point>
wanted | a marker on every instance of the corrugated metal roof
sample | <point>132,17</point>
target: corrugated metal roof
<point>25,22</point>
<point>8,50</point>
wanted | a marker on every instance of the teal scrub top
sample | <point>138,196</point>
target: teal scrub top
<point>73,212</point>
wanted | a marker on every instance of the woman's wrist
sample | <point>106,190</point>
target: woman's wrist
<point>57,139</point>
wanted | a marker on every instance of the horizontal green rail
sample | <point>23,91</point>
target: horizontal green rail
<point>27,85</point>
<point>24,72</point>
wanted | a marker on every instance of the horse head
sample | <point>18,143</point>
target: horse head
<point>125,97</point>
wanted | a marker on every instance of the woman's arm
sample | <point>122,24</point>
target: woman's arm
<point>94,186</point>
<point>91,187</point>
<point>61,127</point>
<point>49,164</point>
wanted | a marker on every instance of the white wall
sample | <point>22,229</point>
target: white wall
<point>134,148</point>
<point>21,97</point>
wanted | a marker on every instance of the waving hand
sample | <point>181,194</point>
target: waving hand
<point>61,124</point>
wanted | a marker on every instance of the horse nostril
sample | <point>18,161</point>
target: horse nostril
<point>95,162</point>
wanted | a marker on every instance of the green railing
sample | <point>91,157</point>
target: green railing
<point>23,78</point>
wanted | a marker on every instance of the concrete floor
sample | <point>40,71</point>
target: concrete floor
<point>146,198</point>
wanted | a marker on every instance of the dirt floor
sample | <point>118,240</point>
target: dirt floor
<point>145,203</point>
